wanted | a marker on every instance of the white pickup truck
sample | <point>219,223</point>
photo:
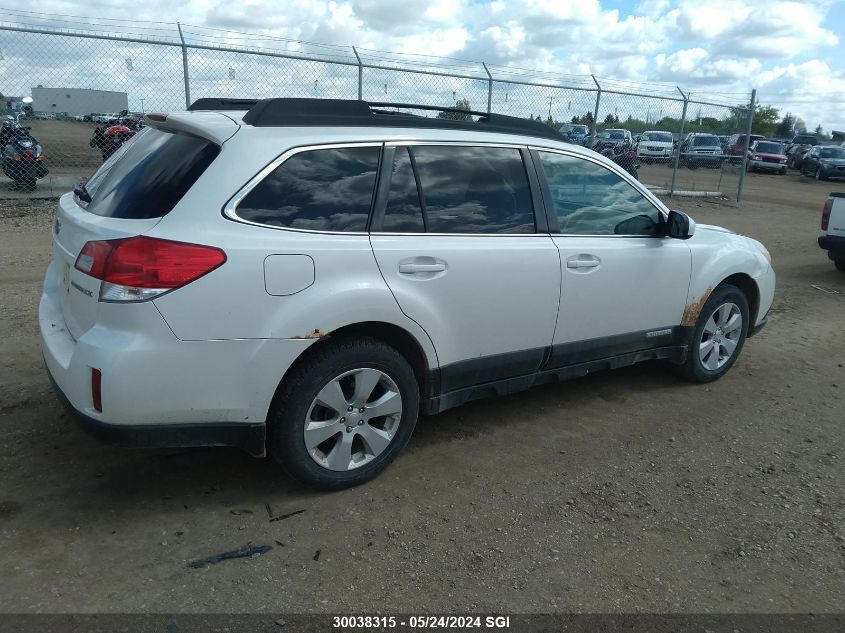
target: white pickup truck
<point>832,235</point>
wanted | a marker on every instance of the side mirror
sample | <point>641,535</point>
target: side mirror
<point>679,225</point>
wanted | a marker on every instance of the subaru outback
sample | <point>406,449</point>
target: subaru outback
<point>305,277</point>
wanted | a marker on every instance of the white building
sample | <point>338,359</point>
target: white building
<point>78,100</point>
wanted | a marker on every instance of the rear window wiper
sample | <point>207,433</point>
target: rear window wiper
<point>82,193</point>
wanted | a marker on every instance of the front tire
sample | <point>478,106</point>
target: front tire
<point>344,414</point>
<point>818,174</point>
<point>718,336</point>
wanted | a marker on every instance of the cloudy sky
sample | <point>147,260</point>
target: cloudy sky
<point>792,52</point>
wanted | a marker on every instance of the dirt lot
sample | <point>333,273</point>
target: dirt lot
<point>625,491</point>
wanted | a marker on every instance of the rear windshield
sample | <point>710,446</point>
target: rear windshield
<point>578,129</point>
<point>832,152</point>
<point>149,174</point>
<point>769,148</point>
<point>805,140</point>
<point>705,141</point>
<point>616,135</point>
<point>658,137</point>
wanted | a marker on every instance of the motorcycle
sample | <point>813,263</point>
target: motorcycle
<point>110,139</point>
<point>623,154</point>
<point>23,157</point>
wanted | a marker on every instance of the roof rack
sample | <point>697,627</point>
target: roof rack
<point>216,103</point>
<point>352,113</point>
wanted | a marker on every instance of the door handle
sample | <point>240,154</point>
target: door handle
<point>582,263</point>
<point>422,268</point>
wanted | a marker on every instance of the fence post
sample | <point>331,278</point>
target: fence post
<point>185,67</point>
<point>489,88</point>
<point>360,75</point>
<point>595,111</point>
<point>748,125</point>
<point>680,140</point>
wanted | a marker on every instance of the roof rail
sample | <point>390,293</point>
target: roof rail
<point>352,113</point>
<point>218,103</point>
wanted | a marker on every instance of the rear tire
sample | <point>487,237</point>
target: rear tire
<point>319,429</point>
<point>718,336</point>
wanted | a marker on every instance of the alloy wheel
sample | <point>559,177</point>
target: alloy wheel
<point>353,419</point>
<point>720,336</point>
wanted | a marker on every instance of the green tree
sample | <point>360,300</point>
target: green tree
<point>460,104</point>
<point>786,126</point>
<point>765,120</point>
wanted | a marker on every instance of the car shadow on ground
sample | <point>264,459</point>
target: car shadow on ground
<point>80,470</point>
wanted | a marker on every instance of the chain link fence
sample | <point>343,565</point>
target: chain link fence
<point>79,81</point>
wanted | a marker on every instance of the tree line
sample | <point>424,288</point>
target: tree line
<point>767,121</point>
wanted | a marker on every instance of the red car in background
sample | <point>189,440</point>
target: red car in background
<point>767,156</point>
<point>736,146</point>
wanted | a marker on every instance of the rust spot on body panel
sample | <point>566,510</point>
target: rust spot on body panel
<point>693,310</point>
<point>315,334</point>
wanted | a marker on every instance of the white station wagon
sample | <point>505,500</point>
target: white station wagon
<point>305,277</point>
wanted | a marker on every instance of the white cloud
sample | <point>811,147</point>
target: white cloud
<point>787,49</point>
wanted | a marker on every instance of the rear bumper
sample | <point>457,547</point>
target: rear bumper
<point>249,437</point>
<point>834,245</point>
<point>767,166</point>
<point>158,390</point>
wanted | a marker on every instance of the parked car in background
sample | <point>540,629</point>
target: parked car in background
<point>578,134</point>
<point>767,156</point>
<point>105,117</point>
<point>736,146</point>
<point>795,154</point>
<point>805,139</point>
<point>701,150</point>
<point>832,235</point>
<point>655,145</point>
<point>823,162</point>
<point>612,137</point>
<point>410,266</point>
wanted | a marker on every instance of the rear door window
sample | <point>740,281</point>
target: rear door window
<point>149,174</point>
<point>473,189</point>
<point>319,190</point>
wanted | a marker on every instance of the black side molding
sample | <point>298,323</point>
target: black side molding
<point>437,404</point>
<point>249,437</point>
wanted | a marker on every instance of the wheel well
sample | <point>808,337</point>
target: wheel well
<point>392,335</point>
<point>749,288</point>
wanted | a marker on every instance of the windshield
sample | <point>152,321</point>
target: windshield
<point>832,152</point>
<point>805,140</point>
<point>658,137</point>
<point>149,174</point>
<point>578,129</point>
<point>705,141</point>
<point>769,148</point>
<point>615,134</point>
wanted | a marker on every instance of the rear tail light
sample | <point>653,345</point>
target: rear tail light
<point>97,389</point>
<point>632,154</point>
<point>28,155</point>
<point>142,268</point>
<point>826,213</point>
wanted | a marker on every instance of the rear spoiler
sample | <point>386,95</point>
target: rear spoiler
<point>216,127</point>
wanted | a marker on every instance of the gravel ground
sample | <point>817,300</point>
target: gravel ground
<point>627,491</point>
